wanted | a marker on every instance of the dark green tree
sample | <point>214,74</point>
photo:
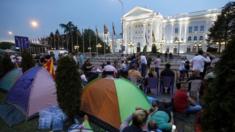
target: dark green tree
<point>221,31</point>
<point>145,49</point>
<point>27,61</point>
<point>154,48</point>
<point>68,84</point>
<point>6,65</point>
<point>219,115</point>
<point>6,45</point>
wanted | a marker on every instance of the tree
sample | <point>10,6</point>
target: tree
<point>154,48</point>
<point>6,45</point>
<point>27,61</point>
<point>57,39</point>
<point>68,86</point>
<point>145,49</point>
<point>220,96</point>
<point>6,65</point>
<point>221,31</point>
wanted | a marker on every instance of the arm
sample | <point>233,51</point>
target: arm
<point>126,123</point>
<point>207,59</point>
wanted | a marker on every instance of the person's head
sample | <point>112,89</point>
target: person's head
<point>168,66</point>
<point>200,52</point>
<point>181,85</point>
<point>87,61</point>
<point>152,126</point>
<point>139,117</point>
<point>123,61</point>
<point>108,63</point>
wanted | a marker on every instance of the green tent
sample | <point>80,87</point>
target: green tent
<point>112,100</point>
<point>7,81</point>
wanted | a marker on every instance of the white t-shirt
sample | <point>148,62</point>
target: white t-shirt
<point>110,68</point>
<point>143,59</point>
<point>157,62</point>
<point>182,65</point>
<point>198,62</point>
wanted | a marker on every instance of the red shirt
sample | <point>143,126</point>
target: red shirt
<point>180,101</point>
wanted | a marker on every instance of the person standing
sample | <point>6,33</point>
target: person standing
<point>143,62</point>
<point>157,63</point>
<point>198,62</point>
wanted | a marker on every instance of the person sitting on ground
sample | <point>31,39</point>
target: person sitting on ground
<point>138,119</point>
<point>109,70</point>
<point>87,66</point>
<point>133,74</point>
<point>167,71</point>
<point>182,102</point>
<point>163,119</point>
<point>194,85</point>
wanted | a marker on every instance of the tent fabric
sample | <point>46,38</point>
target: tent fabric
<point>19,94</point>
<point>43,90</point>
<point>136,98</point>
<point>7,81</point>
<point>10,114</point>
<point>32,92</point>
<point>100,99</point>
<point>112,100</point>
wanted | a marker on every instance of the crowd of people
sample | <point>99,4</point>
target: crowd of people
<point>188,87</point>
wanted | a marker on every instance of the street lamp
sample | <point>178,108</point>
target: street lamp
<point>131,45</point>
<point>34,24</point>
<point>97,47</point>
<point>76,47</point>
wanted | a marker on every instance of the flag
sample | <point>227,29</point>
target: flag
<point>105,29</point>
<point>96,30</point>
<point>153,36</point>
<point>114,33</point>
<point>22,42</point>
<point>121,2</point>
<point>49,66</point>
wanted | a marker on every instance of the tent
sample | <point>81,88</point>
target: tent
<point>7,81</point>
<point>110,101</point>
<point>32,92</point>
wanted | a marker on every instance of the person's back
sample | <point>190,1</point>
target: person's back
<point>162,119</point>
<point>180,100</point>
<point>167,71</point>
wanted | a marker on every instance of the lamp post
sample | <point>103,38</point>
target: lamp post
<point>89,48</point>
<point>76,47</point>
<point>131,45</point>
<point>97,48</point>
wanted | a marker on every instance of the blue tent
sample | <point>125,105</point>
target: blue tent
<point>32,92</point>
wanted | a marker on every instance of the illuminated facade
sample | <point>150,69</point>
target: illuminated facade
<point>186,32</point>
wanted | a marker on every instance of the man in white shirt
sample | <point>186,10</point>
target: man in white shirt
<point>143,62</point>
<point>199,61</point>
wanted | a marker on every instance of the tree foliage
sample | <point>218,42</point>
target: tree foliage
<point>218,114</point>
<point>68,86</point>
<point>27,61</point>
<point>6,65</point>
<point>154,48</point>
<point>6,45</point>
<point>223,29</point>
<point>72,36</point>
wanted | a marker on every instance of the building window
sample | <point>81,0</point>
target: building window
<point>195,28</point>
<point>176,30</point>
<point>190,29</point>
<point>201,38</point>
<point>195,38</point>
<point>189,38</point>
<point>202,28</point>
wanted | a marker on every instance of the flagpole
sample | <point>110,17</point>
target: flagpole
<point>89,42</point>
<point>83,46</point>
<point>96,41</point>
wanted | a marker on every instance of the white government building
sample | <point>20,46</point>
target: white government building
<point>186,32</point>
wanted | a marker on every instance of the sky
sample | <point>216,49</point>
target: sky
<point>15,15</point>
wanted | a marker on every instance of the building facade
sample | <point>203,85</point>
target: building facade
<point>183,33</point>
